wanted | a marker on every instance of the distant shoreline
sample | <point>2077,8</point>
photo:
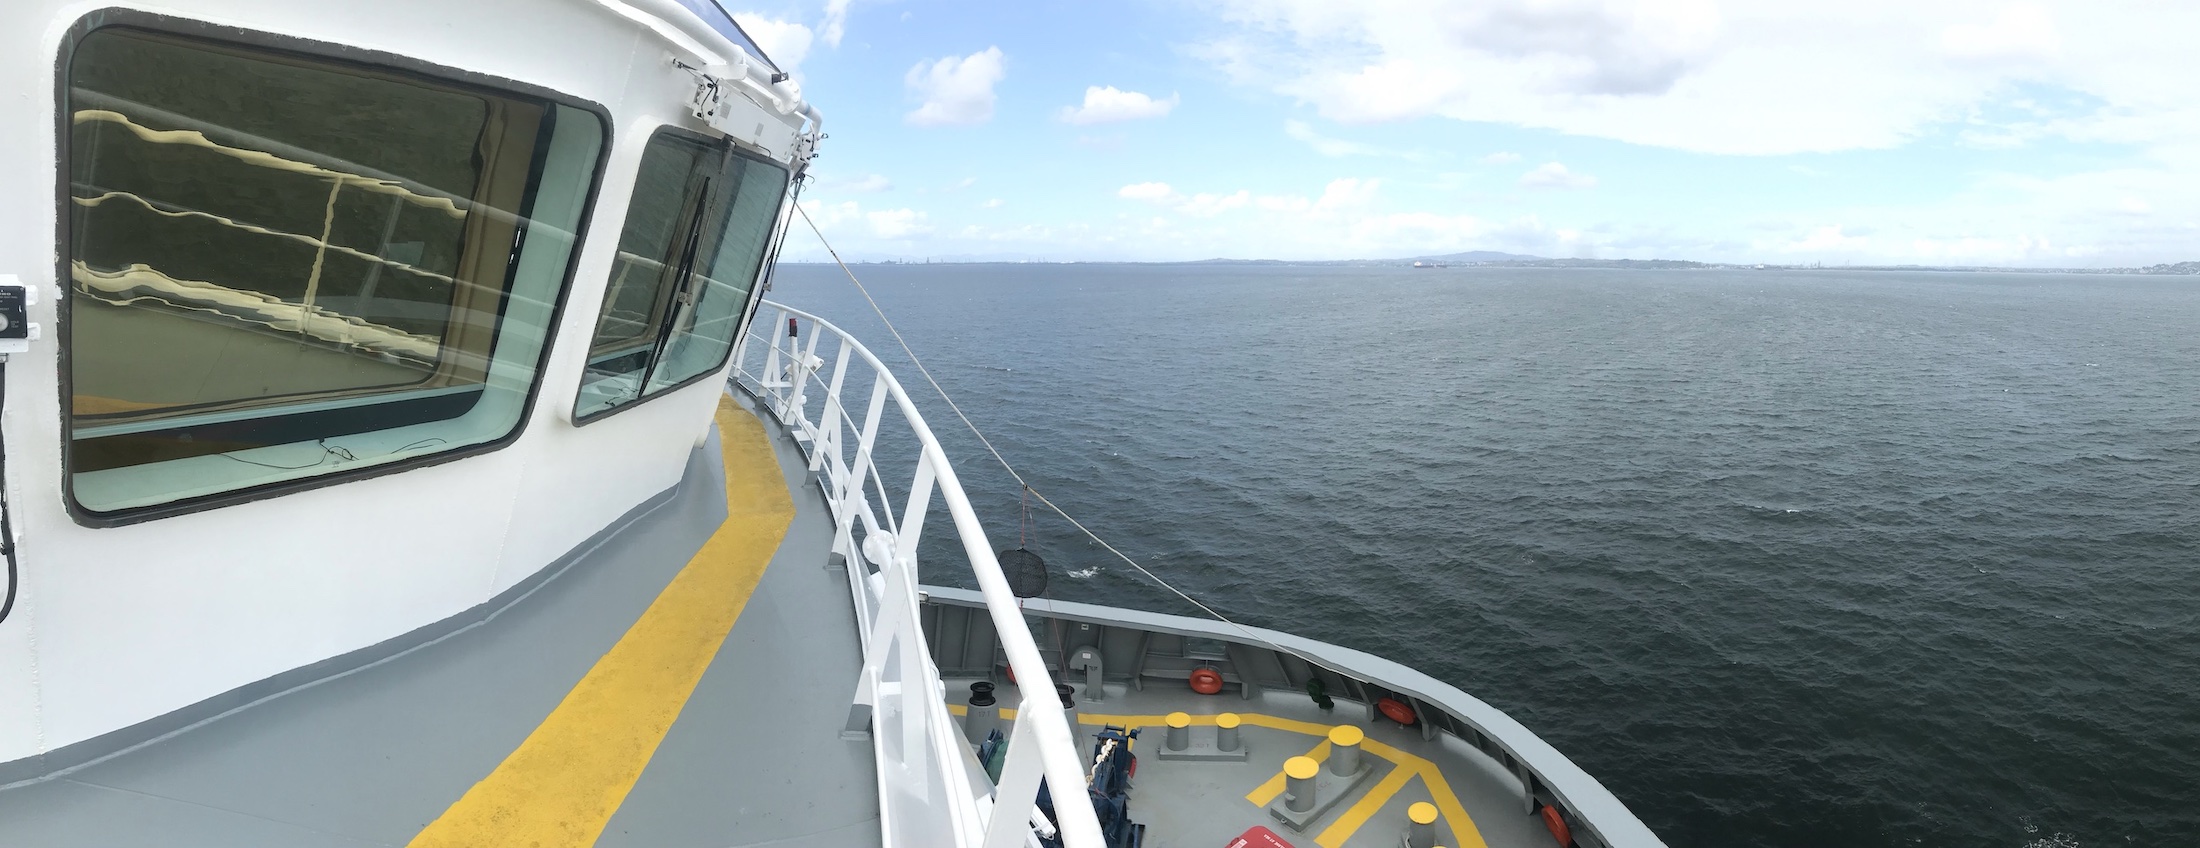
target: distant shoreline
<point>1442,263</point>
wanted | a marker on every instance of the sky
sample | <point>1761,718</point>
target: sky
<point>1949,132</point>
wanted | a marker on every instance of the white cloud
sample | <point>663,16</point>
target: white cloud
<point>955,90</point>
<point>1501,158</point>
<point>991,203</point>
<point>1555,175</point>
<point>2020,33</point>
<point>898,223</point>
<point>1824,241</point>
<point>1107,105</point>
<point>786,42</point>
<point>1146,191</point>
<point>1203,205</point>
<point>836,21</point>
<point>1347,193</point>
<point>866,184</point>
<point>829,216</point>
<point>1210,205</point>
<point>1339,196</point>
<point>963,183</point>
<point>848,220</point>
<point>1719,76</point>
<point>1336,147</point>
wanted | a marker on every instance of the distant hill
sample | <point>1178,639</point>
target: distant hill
<point>1477,256</point>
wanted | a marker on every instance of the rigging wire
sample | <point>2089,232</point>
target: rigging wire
<point>1035,493</point>
<point>7,528</point>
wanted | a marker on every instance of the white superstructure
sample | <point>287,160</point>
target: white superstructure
<point>118,625</point>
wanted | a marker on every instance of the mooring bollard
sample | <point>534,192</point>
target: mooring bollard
<point>1226,731</point>
<point>1068,694</point>
<point>984,715</point>
<point>1344,749</point>
<point>1298,782</point>
<point>1421,825</point>
<point>1180,731</point>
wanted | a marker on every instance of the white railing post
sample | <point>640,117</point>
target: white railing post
<point>829,441</point>
<point>899,699</point>
<point>920,501</point>
<point>865,438</point>
<point>1019,786</point>
<point>773,379</point>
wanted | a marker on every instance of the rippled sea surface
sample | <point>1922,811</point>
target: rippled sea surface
<point>1783,558</point>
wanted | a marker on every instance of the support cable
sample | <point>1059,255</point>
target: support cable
<point>7,527</point>
<point>1034,492</point>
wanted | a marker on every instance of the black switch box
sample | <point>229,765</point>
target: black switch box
<point>15,318</point>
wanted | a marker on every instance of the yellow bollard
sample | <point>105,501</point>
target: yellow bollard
<point>1421,832</point>
<point>1298,783</point>
<point>1226,731</point>
<point>1344,749</point>
<point>1180,731</point>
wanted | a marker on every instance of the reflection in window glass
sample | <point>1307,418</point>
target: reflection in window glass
<point>350,267</point>
<point>651,247</point>
<point>703,332</point>
<point>695,238</point>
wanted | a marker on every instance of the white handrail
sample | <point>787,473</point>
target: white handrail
<point>924,773</point>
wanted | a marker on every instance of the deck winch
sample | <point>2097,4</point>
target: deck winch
<point>1108,785</point>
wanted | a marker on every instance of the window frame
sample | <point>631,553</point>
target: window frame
<point>748,306</point>
<point>310,50</point>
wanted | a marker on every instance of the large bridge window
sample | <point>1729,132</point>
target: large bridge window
<point>281,267</point>
<point>695,237</point>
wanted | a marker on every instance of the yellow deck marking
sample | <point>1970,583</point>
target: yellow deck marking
<point>1365,808</point>
<point>1463,832</point>
<point>561,786</point>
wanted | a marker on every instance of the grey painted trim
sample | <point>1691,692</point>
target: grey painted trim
<point>1575,789</point>
<point>69,758</point>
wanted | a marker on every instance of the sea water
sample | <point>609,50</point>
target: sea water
<point>1810,558</point>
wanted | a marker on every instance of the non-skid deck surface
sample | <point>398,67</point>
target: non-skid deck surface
<point>610,706</point>
<point>1187,804</point>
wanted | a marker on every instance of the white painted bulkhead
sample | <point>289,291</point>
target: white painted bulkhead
<point>115,626</point>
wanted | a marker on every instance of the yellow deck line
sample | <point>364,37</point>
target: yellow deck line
<point>561,786</point>
<point>1349,822</point>
<point>1464,834</point>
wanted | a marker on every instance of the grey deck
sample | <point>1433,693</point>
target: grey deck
<point>1189,804</point>
<point>370,757</point>
<point>1146,659</point>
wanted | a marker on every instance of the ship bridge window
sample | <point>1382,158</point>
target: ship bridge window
<point>284,268</point>
<point>694,240</point>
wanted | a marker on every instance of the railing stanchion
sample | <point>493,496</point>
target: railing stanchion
<point>925,793</point>
<point>828,443</point>
<point>1018,790</point>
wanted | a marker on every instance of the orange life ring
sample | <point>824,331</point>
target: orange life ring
<point>1557,824</point>
<point>1012,675</point>
<point>1395,709</point>
<point>1206,681</point>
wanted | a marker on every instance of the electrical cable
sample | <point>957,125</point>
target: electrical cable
<point>1035,493</point>
<point>7,527</point>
